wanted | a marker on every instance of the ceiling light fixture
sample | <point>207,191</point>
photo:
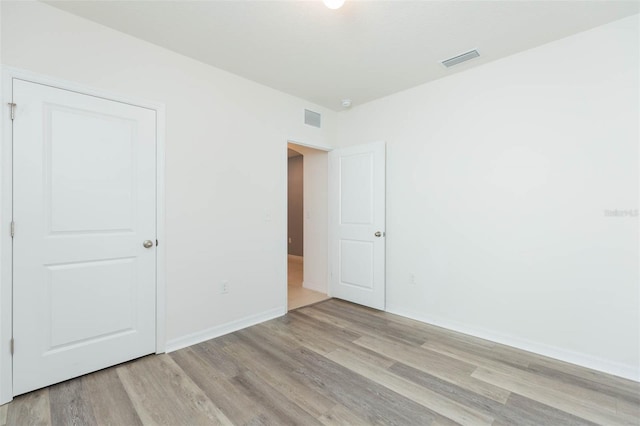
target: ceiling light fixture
<point>333,4</point>
<point>346,103</point>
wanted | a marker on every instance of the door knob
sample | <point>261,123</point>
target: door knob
<point>147,244</point>
<point>378,234</point>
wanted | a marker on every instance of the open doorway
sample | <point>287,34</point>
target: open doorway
<point>307,281</point>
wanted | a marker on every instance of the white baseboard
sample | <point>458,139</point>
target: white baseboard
<point>315,287</point>
<point>630,372</point>
<point>221,330</point>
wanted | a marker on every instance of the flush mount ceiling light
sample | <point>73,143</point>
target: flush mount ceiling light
<point>333,4</point>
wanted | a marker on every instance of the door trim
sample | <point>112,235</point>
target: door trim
<point>285,229</point>
<point>6,211</point>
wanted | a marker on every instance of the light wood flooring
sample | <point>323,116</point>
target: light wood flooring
<point>336,363</point>
<point>297,295</point>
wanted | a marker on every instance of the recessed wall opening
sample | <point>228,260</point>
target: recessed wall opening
<point>307,223</point>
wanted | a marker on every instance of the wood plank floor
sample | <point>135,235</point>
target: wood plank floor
<point>336,363</point>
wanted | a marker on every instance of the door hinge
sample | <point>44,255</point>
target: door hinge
<point>12,108</point>
<point>12,345</point>
<point>13,229</point>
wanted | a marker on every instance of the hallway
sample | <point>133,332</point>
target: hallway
<point>299,296</point>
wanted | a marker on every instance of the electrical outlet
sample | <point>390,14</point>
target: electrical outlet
<point>289,240</point>
<point>412,279</point>
<point>224,287</point>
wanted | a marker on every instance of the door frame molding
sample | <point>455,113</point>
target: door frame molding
<point>6,210</point>
<point>285,230</point>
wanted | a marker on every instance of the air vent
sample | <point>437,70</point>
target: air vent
<point>460,58</point>
<point>312,118</point>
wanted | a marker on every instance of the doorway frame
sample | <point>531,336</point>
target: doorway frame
<point>6,210</point>
<point>285,231</point>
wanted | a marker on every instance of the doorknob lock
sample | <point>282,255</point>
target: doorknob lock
<point>378,234</point>
<point>147,244</point>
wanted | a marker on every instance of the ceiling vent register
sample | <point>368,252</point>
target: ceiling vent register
<point>312,118</point>
<point>460,58</point>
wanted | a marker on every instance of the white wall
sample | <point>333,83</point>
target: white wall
<point>497,182</point>
<point>315,218</point>
<point>215,231</point>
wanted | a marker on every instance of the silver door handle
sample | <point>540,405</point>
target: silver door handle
<point>147,244</point>
<point>378,234</point>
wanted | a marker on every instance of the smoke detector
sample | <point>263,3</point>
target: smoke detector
<point>346,103</point>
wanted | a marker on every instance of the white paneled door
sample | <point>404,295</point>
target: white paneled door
<point>357,224</point>
<point>85,233</point>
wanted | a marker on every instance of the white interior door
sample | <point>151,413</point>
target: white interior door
<point>84,202</point>
<point>357,224</point>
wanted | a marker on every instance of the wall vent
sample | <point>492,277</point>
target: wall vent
<point>460,58</point>
<point>312,118</point>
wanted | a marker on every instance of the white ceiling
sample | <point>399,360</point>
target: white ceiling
<point>366,50</point>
